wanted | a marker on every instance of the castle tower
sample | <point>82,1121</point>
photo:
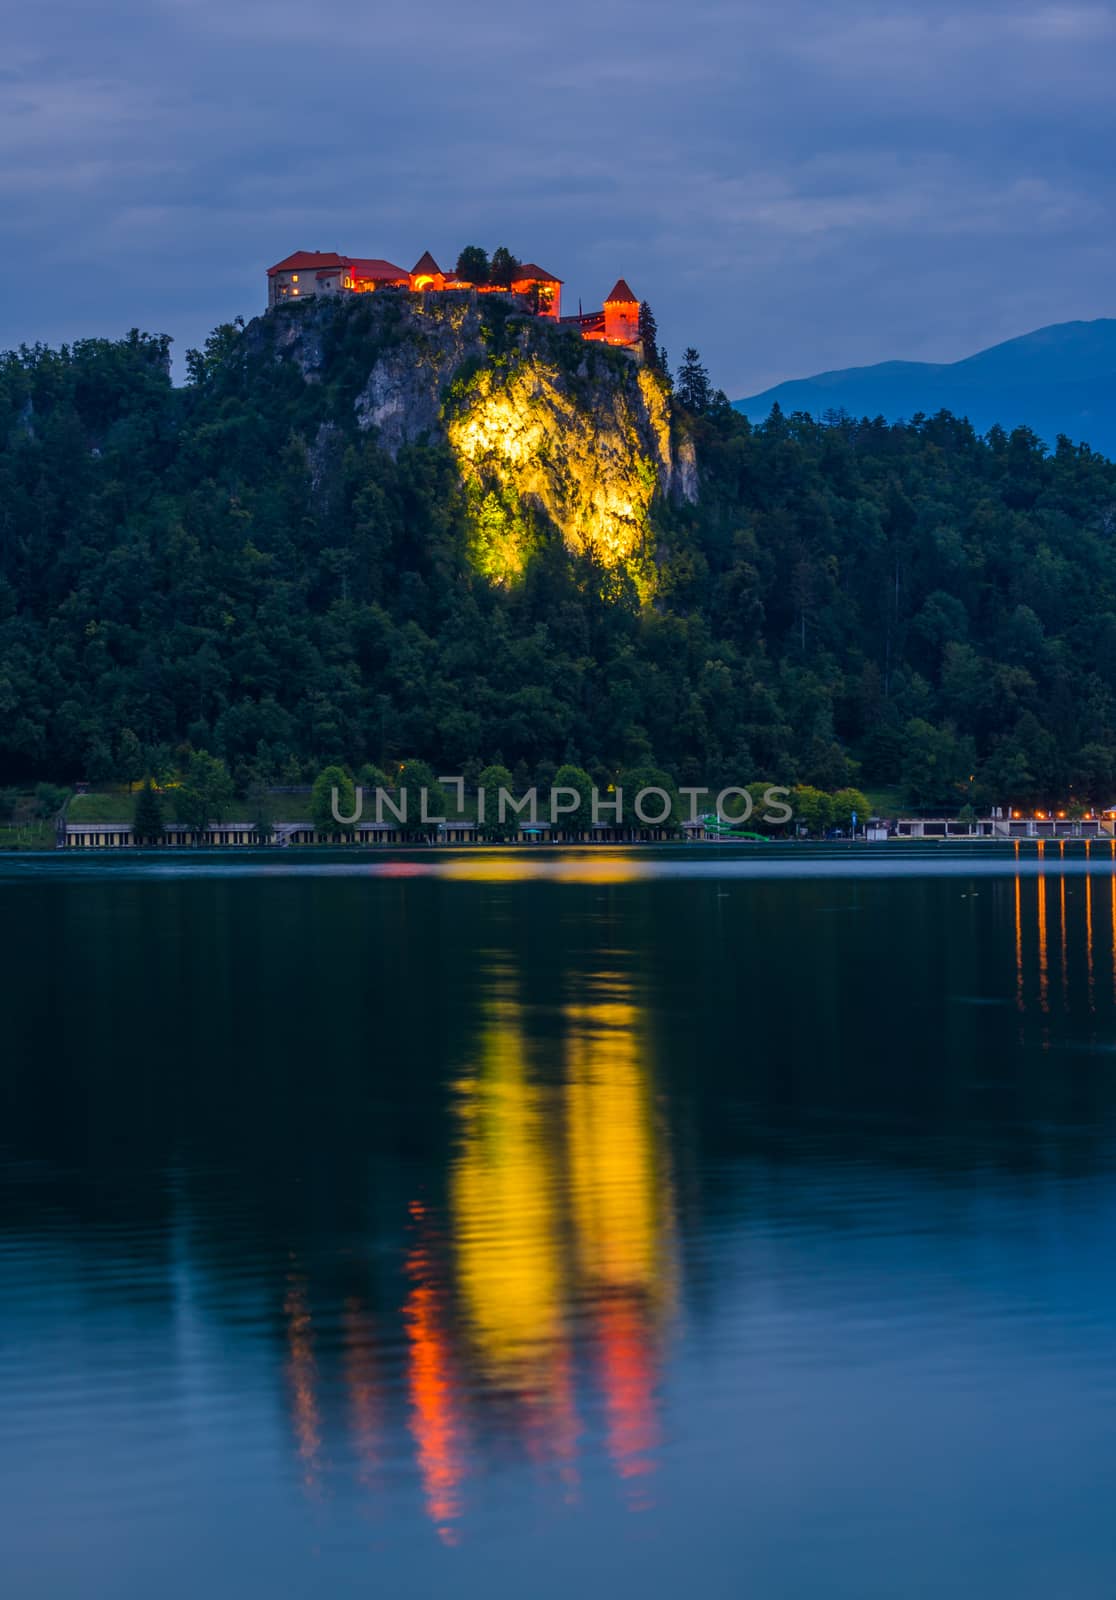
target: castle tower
<point>621,310</point>
<point>427,274</point>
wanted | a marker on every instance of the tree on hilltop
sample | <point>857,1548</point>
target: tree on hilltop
<point>504,267</point>
<point>473,264</point>
<point>202,364</point>
<point>692,385</point>
<point>649,336</point>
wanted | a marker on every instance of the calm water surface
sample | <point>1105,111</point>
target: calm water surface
<point>494,1224</point>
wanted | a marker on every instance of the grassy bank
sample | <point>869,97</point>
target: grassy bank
<point>118,806</point>
<point>31,835</point>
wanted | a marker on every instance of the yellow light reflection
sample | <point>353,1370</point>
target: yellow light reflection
<point>621,1214</point>
<point>614,1181</point>
<point>595,866</point>
<point>502,1196</point>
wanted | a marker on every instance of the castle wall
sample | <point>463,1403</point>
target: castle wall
<point>621,322</point>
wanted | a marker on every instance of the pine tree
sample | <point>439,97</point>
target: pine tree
<point>649,334</point>
<point>147,819</point>
<point>692,387</point>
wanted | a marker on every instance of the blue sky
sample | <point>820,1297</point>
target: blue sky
<point>793,185</point>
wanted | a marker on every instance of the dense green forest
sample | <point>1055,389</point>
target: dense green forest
<point>855,602</point>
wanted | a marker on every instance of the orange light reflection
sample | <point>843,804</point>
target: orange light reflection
<point>435,1423</point>
<point>302,1374</point>
<point>1019,1001</point>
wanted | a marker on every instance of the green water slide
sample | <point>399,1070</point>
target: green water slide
<point>717,828</point>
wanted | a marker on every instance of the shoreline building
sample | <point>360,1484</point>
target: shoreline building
<point>308,274</point>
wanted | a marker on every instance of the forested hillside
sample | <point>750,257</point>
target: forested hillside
<point>240,566</point>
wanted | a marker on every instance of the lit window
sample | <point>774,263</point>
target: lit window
<point>294,277</point>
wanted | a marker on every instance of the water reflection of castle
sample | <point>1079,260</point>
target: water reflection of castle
<point>541,1294</point>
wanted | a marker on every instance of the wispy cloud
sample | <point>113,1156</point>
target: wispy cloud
<point>793,184</point>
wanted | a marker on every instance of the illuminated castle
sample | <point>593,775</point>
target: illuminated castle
<point>309,273</point>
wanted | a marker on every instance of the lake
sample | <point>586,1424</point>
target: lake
<point>515,1223</point>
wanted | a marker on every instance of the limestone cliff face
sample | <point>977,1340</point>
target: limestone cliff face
<point>546,429</point>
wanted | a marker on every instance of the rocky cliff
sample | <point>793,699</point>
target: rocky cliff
<point>549,433</point>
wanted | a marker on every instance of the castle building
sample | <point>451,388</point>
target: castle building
<point>621,311</point>
<point>618,323</point>
<point>310,273</point>
<point>427,274</point>
<point>314,272</point>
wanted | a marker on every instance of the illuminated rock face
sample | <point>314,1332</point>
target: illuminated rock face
<point>589,452</point>
<point>552,435</point>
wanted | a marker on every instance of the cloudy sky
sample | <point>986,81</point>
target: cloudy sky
<point>792,184</point>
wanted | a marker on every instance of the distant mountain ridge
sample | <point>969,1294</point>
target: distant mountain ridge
<point>1060,379</point>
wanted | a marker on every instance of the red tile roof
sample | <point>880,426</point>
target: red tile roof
<point>621,295</point>
<point>308,261</point>
<point>329,260</point>
<point>373,267</point>
<point>530,273</point>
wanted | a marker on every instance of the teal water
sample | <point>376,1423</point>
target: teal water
<point>503,1224</point>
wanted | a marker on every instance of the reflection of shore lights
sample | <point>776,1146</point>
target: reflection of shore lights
<point>434,1422</point>
<point>619,1213</point>
<point>302,1369</point>
<point>505,1228</point>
